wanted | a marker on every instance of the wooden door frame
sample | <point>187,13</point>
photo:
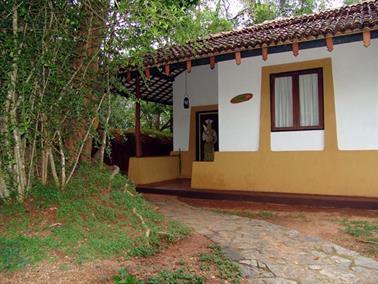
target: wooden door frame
<point>197,131</point>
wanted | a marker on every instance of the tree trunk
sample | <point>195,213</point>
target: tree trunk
<point>19,166</point>
<point>157,121</point>
<point>138,139</point>
<point>4,192</point>
<point>105,132</point>
<point>92,31</point>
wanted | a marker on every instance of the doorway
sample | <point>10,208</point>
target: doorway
<point>207,135</point>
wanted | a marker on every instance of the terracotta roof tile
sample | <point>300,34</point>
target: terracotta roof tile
<point>347,19</point>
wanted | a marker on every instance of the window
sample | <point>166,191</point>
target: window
<point>297,100</point>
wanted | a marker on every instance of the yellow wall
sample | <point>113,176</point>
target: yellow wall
<point>153,169</point>
<point>330,172</point>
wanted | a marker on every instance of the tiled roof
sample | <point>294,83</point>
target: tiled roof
<point>345,20</point>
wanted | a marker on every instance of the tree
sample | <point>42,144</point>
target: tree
<point>258,11</point>
<point>59,63</point>
<point>350,2</point>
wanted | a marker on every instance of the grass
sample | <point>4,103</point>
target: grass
<point>86,221</point>
<point>180,275</point>
<point>214,260</point>
<point>363,231</point>
<point>227,269</point>
<point>249,214</point>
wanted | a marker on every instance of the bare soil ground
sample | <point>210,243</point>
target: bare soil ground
<point>185,252</point>
<point>326,223</point>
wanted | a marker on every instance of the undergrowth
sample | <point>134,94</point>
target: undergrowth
<point>214,261</point>
<point>365,232</point>
<point>180,275</point>
<point>227,269</point>
<point>86,221</point>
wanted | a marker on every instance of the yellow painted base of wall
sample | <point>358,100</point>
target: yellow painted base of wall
<point>328,172</point>
<point>146,170</point>
<point>345,173</point>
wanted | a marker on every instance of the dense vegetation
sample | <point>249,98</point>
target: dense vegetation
<point>59,62</point>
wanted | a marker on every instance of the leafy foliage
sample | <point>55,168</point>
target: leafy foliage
<point>349,2</point>
<point>255,12</point>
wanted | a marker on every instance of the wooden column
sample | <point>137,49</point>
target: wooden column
<point>212,62</point>
<point>295,47</point>
<point>264,53</point>
<point>366,37</point>
<point>329,43</point>
<point>189,66</point>
<point>237,57</point>
<point>138,144</point>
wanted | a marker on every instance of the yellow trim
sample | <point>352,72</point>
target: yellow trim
<point>153,169</point>
<point>329,172</point>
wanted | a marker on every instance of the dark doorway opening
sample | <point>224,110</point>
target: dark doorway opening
<point>207,135</point>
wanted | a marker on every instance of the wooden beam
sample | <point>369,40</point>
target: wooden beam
<point>295,47</point>
<point>189,66</point>
<point>366,37</point>
<point>138,140</point>
<point>237,57</point>
<point>329,43</point>
<point>147,73</point>
<point>167,70</point>
<point>212,62</point>
<point>264,53</point>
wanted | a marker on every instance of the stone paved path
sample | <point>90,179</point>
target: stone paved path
<point>270,253</point>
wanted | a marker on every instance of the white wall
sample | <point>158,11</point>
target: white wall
<point>297,140</point>
<point>202,88</point>
<point>355,73</point>
<point>239,123</point>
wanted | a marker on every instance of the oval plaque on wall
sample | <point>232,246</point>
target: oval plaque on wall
<point>241,98</point>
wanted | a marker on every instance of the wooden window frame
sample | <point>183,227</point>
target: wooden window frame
<point>296,104</point>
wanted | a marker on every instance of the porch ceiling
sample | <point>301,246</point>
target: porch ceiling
<point>158,89</point>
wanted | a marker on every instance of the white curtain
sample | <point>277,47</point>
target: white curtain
<point>308,99</point>
<point>283,98</point>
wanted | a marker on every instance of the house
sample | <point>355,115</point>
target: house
<point>289,106</point>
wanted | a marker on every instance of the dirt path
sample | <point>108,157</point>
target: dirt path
<point>271,253</point>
